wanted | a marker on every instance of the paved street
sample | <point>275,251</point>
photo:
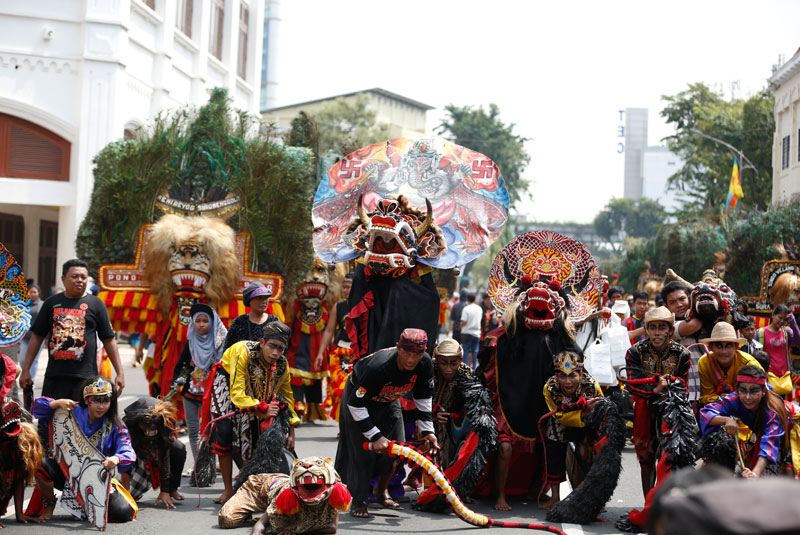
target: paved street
<point>193,517</point>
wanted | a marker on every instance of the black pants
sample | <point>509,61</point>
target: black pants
<point>355,465</point>
<point>58,387</point>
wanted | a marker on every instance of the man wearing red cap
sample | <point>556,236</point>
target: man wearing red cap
<point>372,413</point>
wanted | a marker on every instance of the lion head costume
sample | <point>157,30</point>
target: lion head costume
<point>194,253</point>
<point>786,290</point>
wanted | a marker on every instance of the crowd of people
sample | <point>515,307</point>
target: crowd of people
<point>238,396</point>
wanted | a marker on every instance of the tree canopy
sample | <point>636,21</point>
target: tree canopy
<point>636,218</point>
<point>747,125</point>
<point>199,150</point>
<point>483,131</point>
<point>347,124</point>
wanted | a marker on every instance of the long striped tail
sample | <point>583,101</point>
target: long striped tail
<point>463,512</point>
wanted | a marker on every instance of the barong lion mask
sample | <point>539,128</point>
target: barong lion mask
<point>395,235</point>
<point>786,290</point>
<point>311,296</point>
<point>540,304</point>
<point>191,253</point>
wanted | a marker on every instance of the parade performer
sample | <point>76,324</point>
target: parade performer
<point>97,418</point>
<point>464,424</point>
<point>540,282</point>
<point>21,454</point>
<point>719,368</point>
<point>407,206</point>
<point>373,413</point>
<point>657,354</point>
<point>339,351</point>
<point>570,383</point>
<point>250,372</point>
<point>203,349</point>
<point>160,456</point>
<point>310,320</point>
<point>308,500</point>
<point>764,449</point>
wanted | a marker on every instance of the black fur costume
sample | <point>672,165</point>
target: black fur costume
<point>470,394</point>
<point>584,504</point>
<point>269,456</point>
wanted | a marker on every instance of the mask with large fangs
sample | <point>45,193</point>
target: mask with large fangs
<point>540,305</point>
<point>312,479</point>
<point>394,236</point>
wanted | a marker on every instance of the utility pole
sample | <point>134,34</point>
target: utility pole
<point>737,152</point>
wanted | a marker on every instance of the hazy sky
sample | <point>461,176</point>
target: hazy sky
<point>559,70</point>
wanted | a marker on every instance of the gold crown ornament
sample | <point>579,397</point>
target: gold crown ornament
<point>567,362</point>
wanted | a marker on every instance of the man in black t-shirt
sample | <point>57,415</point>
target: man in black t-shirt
<point>73,322</point>
<point>371,413</point>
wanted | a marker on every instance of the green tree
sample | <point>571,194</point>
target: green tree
<point>483,131</point>
<point>636,218</point>
<point>347,124</point>
<point>705,177</point>
<point>192,150</point>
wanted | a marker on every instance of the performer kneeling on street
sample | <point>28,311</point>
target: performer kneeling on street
<point>762,411</point>
<point>98,419</point>
<point>251,372</point>
<point>160,456</point>
<point>464,423</point>
<point>570,383</point>
<point>373,414</point>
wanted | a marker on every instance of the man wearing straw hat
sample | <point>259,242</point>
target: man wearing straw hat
<point>658,354</point>
<point>718,367</point>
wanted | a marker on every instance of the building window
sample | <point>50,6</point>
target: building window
<point>30,151</point>
<point>12,234</point>
<point>785,153</point>
<point>183,20</point>
<point>217,26</point>
<point>151,4</point>
<point>243,19</point>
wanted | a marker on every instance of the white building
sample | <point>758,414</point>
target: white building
<point>75,75</point>
<point>785,85</point>
<point>647,168</point>
<point>658,164</point>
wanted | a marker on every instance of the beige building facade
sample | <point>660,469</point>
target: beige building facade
<point>785,85</point>
<point>405,117</point>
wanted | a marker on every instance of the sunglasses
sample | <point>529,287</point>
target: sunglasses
<point>752,391</point>
<point>98,399</point>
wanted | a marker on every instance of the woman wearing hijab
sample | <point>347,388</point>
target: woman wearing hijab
<point>250,326</point>
<point>204,348</point>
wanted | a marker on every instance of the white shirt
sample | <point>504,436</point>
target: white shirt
<point>472,316</point>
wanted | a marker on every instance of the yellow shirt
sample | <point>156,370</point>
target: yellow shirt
<point>248,376</point>
<point>554,397</point>
<point>708,379</point>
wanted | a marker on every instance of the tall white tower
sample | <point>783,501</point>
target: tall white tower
<point>269,83</point>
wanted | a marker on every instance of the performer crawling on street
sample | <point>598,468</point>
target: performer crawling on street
<point>569,384</point>
<point>373,414</point>
<point>250,372</point>
<point>464,423</point>
<point>160,456</point>
<point>657,354</point>
<point>98,419</point>
<point>306,501</point>
<point>21,455</point>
